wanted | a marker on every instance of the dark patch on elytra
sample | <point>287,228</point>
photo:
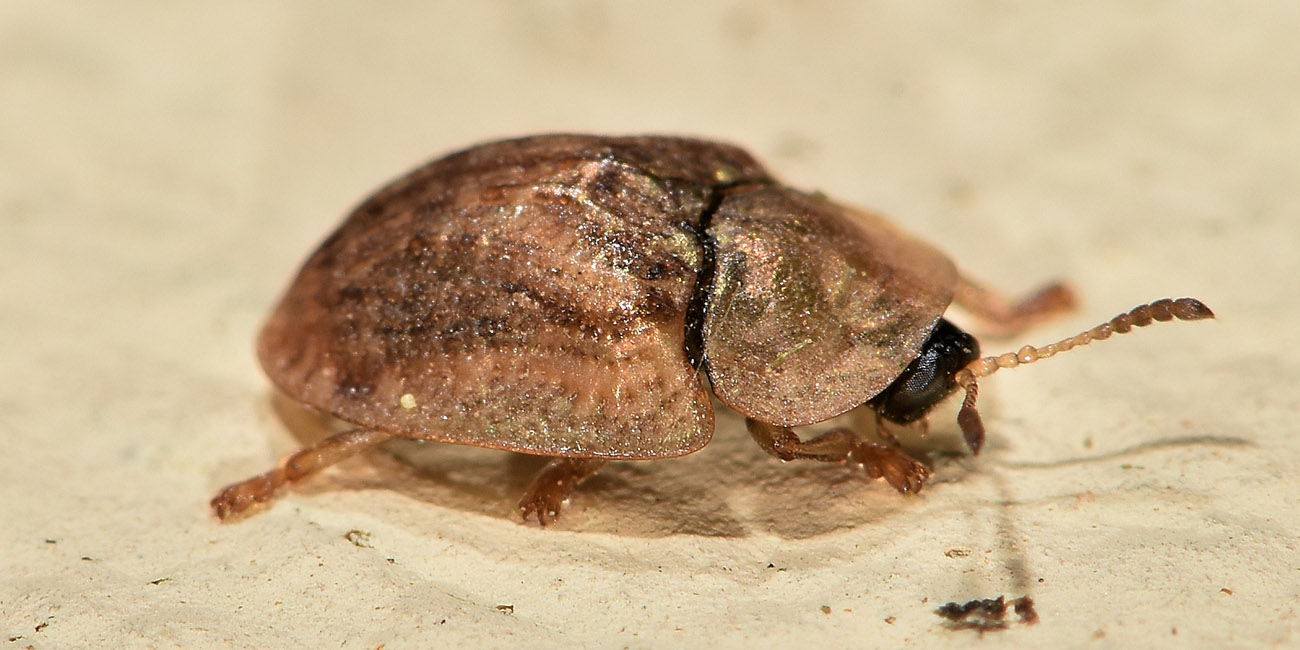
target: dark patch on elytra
<point>701,293</point>
<point>703,283</point>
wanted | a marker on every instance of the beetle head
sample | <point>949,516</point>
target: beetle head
<point>930,377</point>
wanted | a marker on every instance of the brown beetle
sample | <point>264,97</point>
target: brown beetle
<point>561,296</point>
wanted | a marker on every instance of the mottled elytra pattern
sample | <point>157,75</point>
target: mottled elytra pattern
<point>527,295</point>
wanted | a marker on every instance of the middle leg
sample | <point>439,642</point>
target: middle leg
<point>553,484</point>
<point>1007,317</point>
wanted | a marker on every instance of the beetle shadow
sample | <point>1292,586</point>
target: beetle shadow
<point>730,488</point>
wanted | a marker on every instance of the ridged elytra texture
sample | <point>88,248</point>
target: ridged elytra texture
<point>533,294</point>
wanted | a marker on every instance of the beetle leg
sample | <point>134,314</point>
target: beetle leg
<point>889,462</point>
<point>241,496</point>
<point>885,429</point>
<point>1008,318</point>
<point>884,432</point>
<point>553,484</point>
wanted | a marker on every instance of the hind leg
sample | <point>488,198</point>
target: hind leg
<point>236,498</point>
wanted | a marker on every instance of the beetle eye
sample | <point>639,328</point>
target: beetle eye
<point>929,378</point>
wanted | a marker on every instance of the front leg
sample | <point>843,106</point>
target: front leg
<point>889,462</point>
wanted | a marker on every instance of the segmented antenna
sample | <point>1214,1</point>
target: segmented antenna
<point>968,418</point>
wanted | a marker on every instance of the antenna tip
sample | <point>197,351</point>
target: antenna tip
<point>1190,309</point>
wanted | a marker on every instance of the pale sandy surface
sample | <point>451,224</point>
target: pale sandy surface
<point>164,169</point>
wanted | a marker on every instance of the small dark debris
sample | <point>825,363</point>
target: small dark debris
<point>890,620</point>
<point>15,638</point>
<point>49,541</point>
<point>987,614</point>
<point>1226,590</point>
<point>87,558</point>
<point>508,609</point>
<point>826,609</point>
<point>42,625</point>
<point>359,538</point>
<point>1024,608</point>
<point>957,552</point>
<point>159,581</point>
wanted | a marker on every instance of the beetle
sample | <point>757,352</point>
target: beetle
<point>567,295</point>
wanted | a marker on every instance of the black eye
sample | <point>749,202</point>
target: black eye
<point>928,379</point>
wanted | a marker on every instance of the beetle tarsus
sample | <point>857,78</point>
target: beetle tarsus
<point>234,499</point>
<point>904,473</point>
<point>552,486</point>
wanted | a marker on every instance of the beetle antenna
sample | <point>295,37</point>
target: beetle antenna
<point>968,418</point>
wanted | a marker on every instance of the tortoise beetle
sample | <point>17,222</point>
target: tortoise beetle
<point>565,295</point>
